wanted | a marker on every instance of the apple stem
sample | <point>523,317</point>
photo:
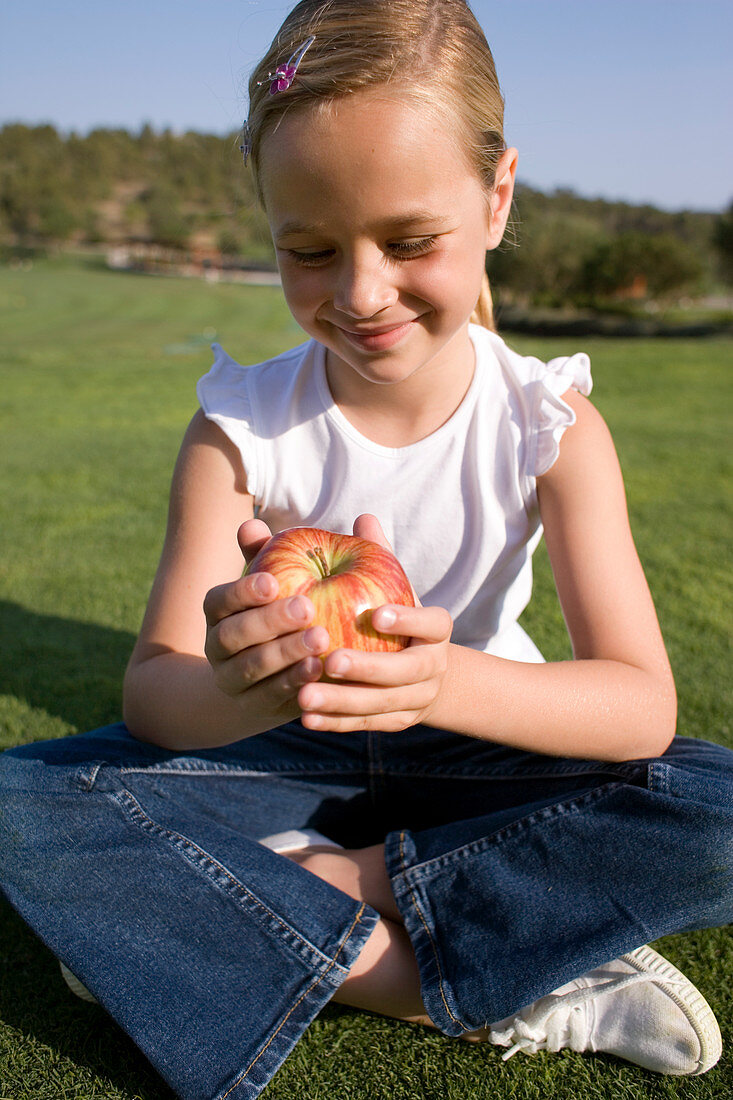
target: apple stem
<point>319,559</point>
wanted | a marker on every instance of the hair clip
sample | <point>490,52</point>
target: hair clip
<point>285,74</point>
<point>280,82</point>
<point>246,147</point>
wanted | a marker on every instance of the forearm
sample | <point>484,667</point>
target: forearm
<point>172,700</point>
<point>589,709</point>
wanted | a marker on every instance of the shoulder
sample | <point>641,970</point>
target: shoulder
<point>587,447</point>
<point>207,456</point>
<point>584,486</point>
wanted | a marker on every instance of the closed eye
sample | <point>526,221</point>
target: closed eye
<point>406,250</point>
<point>309,259</point>
<point>398,250</point>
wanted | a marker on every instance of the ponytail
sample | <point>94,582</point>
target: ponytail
<point>483,314</point>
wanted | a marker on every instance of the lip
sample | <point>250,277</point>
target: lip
<point>376,339</point>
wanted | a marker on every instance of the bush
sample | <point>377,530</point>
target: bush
<point>636,265</point>
<point>166,224</point>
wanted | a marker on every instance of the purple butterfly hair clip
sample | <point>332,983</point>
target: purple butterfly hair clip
<point>285,74</point>
<point>280,82</point>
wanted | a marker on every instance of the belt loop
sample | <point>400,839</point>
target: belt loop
<point>86,777</point>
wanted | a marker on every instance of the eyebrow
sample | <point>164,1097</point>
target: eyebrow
<point>400,221</point>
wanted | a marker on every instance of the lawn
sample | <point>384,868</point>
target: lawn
<point>98,374</point>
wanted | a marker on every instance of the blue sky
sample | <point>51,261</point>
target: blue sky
<point>623,99</point>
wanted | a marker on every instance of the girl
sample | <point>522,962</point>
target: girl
<point>458,834</point>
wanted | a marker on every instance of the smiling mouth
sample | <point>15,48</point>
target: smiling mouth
<point>375,331</point>
<point>376,339</point>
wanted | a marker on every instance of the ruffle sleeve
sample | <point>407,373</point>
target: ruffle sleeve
<point>224,396</point>
<point>549,415</point>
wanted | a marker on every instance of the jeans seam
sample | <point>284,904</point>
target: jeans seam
<point>136,809</point>
<point>619,774</point>
<point>431,939</point>
<point>658,778</point>
<point>374,766</point>
<point>379,762</point>
<point>302,997</point>
<point>225,770</point>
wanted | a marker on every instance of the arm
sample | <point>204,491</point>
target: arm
<point>614,701</point>
<point>173,695</point>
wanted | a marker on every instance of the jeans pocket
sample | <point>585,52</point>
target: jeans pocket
<point>710,786</point>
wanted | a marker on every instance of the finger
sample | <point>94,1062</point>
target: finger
<point>424,624</point>
<point>289,682</point>
<point>276,696</point>
<point>347,723</point>
<point>352,700</point>
<point>384,670</point>
<point>252,536</point>
<point>368,526</point>
<point>257,625</point>
<point>224,600</point>
<point>260,663</point>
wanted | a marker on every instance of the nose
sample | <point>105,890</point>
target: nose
<point>364,286</point>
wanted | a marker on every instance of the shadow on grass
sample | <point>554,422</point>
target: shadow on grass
<point>69,669</point>
<point>36,1004</point>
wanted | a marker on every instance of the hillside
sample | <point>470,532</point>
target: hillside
<point>190,194</point>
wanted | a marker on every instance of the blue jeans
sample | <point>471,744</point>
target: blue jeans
<point>514,873</point>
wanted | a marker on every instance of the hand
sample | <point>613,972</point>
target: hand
<point>262,649</point>
<point>382,691</point>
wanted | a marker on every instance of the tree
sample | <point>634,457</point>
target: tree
<point>166,224</point>
<point>723,241</point>
<point>541,259</point>
<point>636,265</point>
<point>56,220</point>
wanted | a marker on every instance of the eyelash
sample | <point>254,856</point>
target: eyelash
<point>401,250</point>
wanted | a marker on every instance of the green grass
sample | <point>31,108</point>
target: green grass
<point>98,374</point>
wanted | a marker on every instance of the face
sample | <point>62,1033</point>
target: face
<point>381,231</point>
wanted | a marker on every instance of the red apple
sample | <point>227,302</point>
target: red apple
<point>344,577</point>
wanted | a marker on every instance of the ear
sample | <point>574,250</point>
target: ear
<point>500,200</point>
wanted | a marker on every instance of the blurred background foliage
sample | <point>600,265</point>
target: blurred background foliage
<point>189,194</point>
<point>112,187</point>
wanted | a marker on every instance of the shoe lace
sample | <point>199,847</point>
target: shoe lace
<point>560,1020</point>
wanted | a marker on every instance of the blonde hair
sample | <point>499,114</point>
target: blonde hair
<point>433,51</point>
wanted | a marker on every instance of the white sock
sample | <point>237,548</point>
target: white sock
<point>294,839</point>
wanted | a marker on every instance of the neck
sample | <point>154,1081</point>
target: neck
<point>396,414</point>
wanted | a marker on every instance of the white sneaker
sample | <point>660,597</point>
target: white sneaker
<point>638,1007</point>
<point>75,985</point>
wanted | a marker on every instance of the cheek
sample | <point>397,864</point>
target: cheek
<point>303,289</point>
<point>449,278</point>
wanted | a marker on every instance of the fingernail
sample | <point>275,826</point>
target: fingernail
<point>315,699</point>
<point>386,618</point>
<point>314,640</point>
<point>298,609</point>
<point>262,584</point>
<point>309,670</point>
<point>339,665</point>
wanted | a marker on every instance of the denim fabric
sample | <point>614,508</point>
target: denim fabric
<point>514,873</point>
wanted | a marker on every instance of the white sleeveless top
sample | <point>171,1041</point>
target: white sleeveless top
<point>459,507</point>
